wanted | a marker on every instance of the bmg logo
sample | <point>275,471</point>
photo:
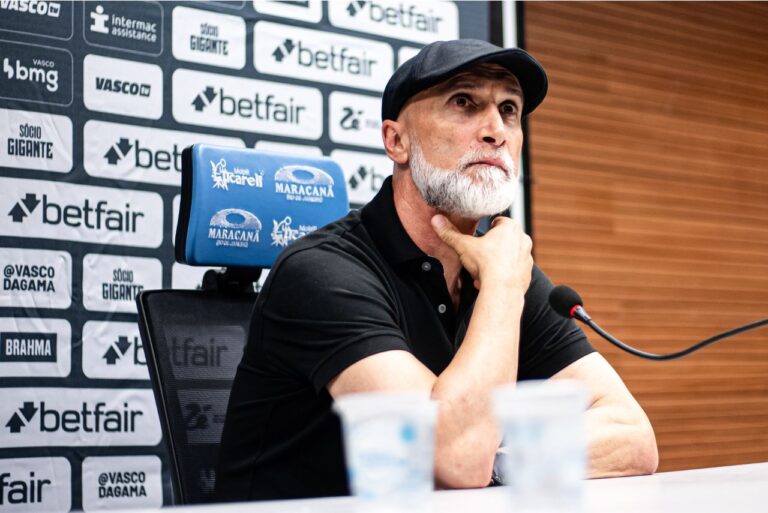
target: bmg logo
<point>41,73</point>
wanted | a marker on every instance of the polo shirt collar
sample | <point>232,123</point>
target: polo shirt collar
<point>383,225</point>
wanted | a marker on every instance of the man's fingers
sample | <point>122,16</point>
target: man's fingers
<point>446,231</point>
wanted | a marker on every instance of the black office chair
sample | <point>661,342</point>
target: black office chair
<point>194,339</point>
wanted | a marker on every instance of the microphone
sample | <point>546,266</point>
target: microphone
<point>567,302</point>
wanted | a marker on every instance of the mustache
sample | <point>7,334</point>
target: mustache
<point>474,156</point>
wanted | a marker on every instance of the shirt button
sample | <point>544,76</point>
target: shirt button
<point>442,308</point>
<point>426,267</point>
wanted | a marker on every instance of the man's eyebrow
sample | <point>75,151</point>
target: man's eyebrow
<point>466,82</point>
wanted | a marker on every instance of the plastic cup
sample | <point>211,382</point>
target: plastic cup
<point>544,456</point>
<point>389,441</point>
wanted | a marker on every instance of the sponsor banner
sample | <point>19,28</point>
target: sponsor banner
<point>207,37</point>
<point>83,213</point>
<point>119,86</point>
<point>34,347</point>
<point>47,19</point>
<point>355,119</point>
<point>35,73</point>
<point>364,172</point>
<point>223,101</point>
<point>140,154</point>
<point>204,413</point>
<point>35,484</point>
<point>113,350</point>
<point>103,417</point>
<point>405,53</point>
<point>191,277</point>
<point>135,27</point>
<point>111,283</point>
<point>33,140</point>
<point>36,278</point>
<point>205,352</point>
<point>122,482</point>
<point>307,10</point>
<point>289,149</point>
<point>321,56</point>
<point>419,21</point>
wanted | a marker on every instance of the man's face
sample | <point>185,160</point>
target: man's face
<point>464,140</point>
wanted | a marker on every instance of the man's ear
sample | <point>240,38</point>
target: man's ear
<point>395,141</point>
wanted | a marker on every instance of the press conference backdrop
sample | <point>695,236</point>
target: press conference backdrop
<point>97,100</point>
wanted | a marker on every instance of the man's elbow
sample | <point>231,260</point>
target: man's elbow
<point>460,469</point>
<point>648,452</point>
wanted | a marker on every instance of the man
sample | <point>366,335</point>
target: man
<point>402,296</point>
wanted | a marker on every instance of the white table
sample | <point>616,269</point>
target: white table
<point>735,489</point>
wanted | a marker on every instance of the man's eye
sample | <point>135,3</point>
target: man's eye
<point>509,108</point>
<point>461,100</point>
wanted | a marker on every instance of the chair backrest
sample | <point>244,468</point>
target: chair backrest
<point>194,339</point>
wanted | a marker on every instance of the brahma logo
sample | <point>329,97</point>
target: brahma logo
<point>283,233</point>
<point>303,183</point>
<point>222,178</point>
<point>321,56</point>
<point>27,347</point>
<point>35,347</point>
<point>234,227</point>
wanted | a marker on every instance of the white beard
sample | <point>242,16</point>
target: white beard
<point>481,191</point>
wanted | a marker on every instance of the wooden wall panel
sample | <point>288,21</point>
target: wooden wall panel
<point>649,168</point>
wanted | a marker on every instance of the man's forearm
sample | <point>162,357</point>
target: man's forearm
<point>467,433</point>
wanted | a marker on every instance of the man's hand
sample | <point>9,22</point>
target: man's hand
<point>501,256</point>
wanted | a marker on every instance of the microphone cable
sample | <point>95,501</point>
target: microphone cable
<point>567,302</point>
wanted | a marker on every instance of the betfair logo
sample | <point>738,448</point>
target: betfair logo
<point>340,59</point>
<point>119,348</point>
<point>144,158</point>
<point>204,98</point>
<point>97,420</point>
<point>24,208</point>
<point>366,176</point>
<point>400,16</point>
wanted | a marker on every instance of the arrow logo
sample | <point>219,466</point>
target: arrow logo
<point>203,99</point>
<point>18,212</point>
<point>111,356</point>
<point>210,93</point>
<point>282,51</point>
<point>354,7</point>
<point>278,54</point>
<point>16,422</point>
<point>122,344</point>
<point>118,150</point>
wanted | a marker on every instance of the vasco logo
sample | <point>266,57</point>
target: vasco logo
<point>98,217</point>
<point>42,72</point>
<point>234,227</point>
<point>260,107</point>
<point>119,348</point>
<point>122,484</point>
<point>27,347</point>
<point>33,278</point>
<point>283,234</point>
<point>400,16</point>
<point>52,9</point>
<point>341,59</point>
<point>239,176</point>
<point>120,420</point>
<point>303,183</point>
<point>144,158</point>
<point>122,86</point>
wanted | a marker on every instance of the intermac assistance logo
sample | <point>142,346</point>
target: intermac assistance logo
<point>283,233</point>
<point>234,227</point>
<point>304,183</point>
<point>132,26</point>
<point>223,178</point>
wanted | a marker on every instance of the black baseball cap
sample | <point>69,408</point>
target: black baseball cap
<point>440,60</point>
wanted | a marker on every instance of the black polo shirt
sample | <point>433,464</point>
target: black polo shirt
<point>357,287</point>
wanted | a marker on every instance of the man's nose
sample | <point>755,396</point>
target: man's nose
<point>492,129</point>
